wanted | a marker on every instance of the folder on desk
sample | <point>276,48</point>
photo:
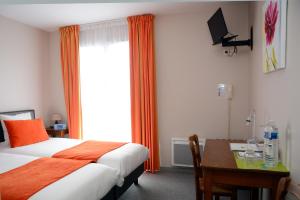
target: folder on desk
<point>243,147</point>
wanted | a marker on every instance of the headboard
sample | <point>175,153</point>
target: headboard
<point>31,111</point>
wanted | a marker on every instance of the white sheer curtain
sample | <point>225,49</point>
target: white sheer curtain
<point>105,81</point>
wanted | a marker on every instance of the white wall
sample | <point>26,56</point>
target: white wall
<point>54,91</point>
<point>188,70</point>
<point>23,57</point>
<point>275,95</point>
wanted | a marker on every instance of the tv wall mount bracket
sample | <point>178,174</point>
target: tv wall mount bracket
<point>230,42</point>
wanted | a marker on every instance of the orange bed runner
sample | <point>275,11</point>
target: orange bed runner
<point>23,182</point>
<point>89,150</point>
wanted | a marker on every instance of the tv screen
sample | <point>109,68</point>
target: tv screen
<point>217,27</point>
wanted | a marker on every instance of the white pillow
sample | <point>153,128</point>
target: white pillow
<point>22,116</point>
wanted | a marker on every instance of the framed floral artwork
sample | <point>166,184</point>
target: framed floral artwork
<point>274,35</point>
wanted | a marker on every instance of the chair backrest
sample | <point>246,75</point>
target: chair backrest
<point>195,149</point>
<point>282,188</point>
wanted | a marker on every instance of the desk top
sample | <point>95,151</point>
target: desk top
<point>218,155</point>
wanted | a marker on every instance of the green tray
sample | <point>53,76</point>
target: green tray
<point>257,164</point>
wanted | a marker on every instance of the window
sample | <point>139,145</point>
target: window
<point>105,84</point>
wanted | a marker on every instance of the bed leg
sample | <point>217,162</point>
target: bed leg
<point>136,182</point>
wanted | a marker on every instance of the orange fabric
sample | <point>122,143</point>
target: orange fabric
<point>25,132</point>
<point>69,49</point>
<point>23,182</point>
<point>89,150</point>
<point>143,87</point>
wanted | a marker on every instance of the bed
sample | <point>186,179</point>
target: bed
<point>128,160</point>
<point>96,181</point>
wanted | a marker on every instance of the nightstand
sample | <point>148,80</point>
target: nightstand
<point>56,133</point>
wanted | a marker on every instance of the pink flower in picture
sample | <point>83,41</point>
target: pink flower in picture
<point>271,16</point>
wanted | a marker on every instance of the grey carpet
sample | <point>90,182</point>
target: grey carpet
<point>168,184</point>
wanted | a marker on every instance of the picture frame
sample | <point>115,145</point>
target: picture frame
<point>274,35</point>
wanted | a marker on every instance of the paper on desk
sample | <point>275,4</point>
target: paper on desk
<point>243,147</point>
<point>255,155</point>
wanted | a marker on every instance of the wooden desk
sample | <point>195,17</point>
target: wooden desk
<point>219,167</point>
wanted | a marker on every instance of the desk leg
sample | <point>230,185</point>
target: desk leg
<point>274,189</point>
<point>207,185</point>
<point>254,193</point>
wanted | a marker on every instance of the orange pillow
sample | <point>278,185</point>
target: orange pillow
<point>25,132</point>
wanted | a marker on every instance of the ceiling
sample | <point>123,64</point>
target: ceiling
<point>49,17</point>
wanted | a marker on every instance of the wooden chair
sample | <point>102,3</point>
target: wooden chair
<point>216,190</point>
<point>282,188</point>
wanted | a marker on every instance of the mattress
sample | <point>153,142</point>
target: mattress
<point>90,182</point>
<point>124,159</point>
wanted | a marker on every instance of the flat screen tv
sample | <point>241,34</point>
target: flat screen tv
<point>217,27</point>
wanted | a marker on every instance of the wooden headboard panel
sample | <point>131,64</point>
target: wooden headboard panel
<point>31,111</point>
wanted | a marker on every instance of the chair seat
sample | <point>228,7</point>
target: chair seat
<point>224,191</point>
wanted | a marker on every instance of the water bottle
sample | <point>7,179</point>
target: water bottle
<point>269,158</point>
<point>275,143</point>
<point>271,146</point>
<point>266,141</point>
<point>266,148</point>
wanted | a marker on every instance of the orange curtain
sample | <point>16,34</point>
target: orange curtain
<point>143,87</point>
<point>69,50</point>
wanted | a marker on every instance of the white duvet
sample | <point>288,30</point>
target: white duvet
<point>125,159</point>
<point>90,182</point>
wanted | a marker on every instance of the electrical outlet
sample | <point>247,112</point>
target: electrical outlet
<point>227,52</point>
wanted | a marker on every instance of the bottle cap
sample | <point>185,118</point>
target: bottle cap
<point>274,135</point>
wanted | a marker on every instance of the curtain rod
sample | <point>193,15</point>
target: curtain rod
<point>123,20</point>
